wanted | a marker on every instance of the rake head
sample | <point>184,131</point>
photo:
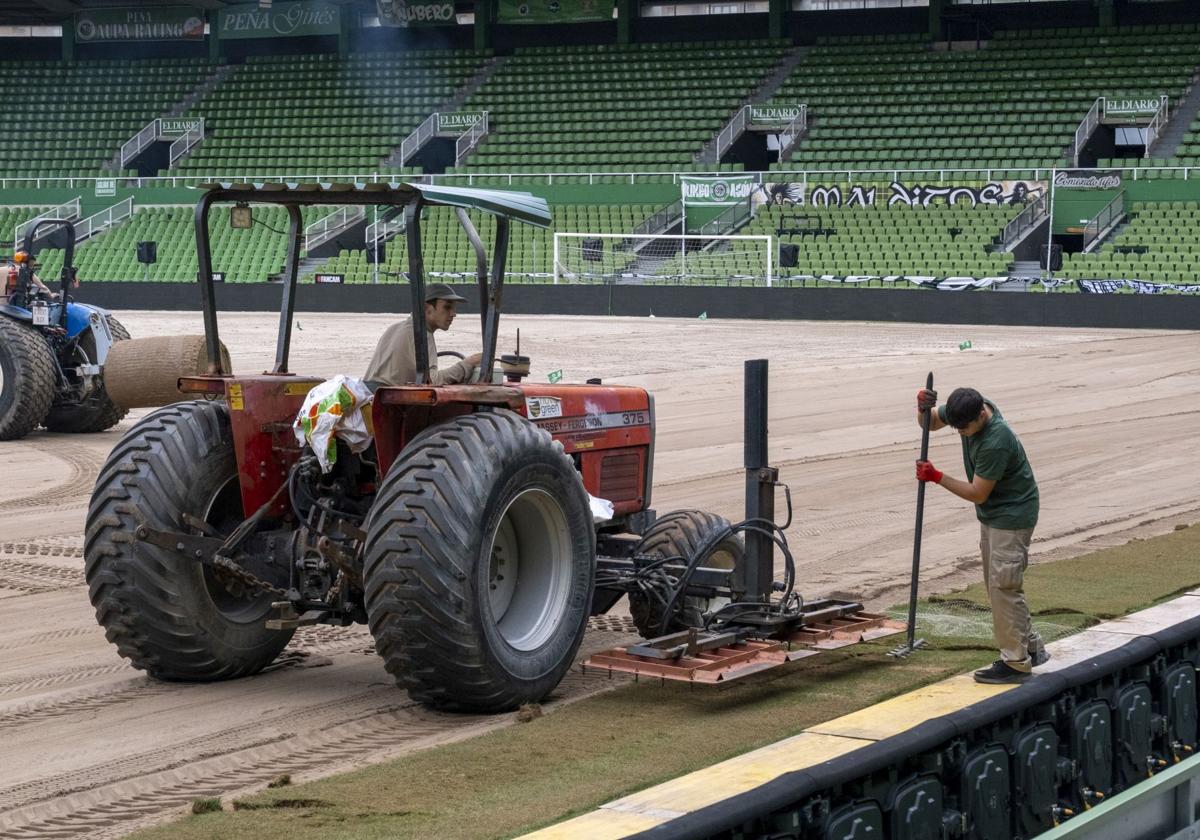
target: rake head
<point>908,648</point>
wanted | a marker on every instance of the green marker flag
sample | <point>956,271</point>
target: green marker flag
<point>965,345</point>
<point>554,377</point>
<point>704,315</point>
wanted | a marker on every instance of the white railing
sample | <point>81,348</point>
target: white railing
<point>136,144</point>
<point>731,218</point>
<point>1085,129</point>
<point>421,135</point>
<point>67,210</point>
<point>184,144</point>
<point>733,129</point>
<point>795,130</point>
<point>660,220</point>
<point>324,229</point>
<point>1158,122</point>
<point>1104,221</point>
<point>470,139</point>
<point>383,230</point>
<point>1028,218</point>
<point>102,221</point>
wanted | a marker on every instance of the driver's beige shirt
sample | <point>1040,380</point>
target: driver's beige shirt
<point>395,360</point>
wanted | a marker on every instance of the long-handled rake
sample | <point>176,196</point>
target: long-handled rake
<point>912,643</point>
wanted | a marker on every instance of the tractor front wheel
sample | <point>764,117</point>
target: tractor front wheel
<point>480,563</point>
<point>98,412</point>
<point>168,614</point>
<point>680,534</point>
<point>26,379</point>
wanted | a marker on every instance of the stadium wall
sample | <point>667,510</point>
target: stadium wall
<point>816,304</point>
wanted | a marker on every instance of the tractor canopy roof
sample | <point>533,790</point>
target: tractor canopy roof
<point>520,206</point>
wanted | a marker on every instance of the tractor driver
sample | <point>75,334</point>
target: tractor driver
<point>10,274</point>
<point>395,359</point>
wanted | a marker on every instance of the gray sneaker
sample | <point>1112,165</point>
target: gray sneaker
<point>1040,657</point>
<point>1000,673</point>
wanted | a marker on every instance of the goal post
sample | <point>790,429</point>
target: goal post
<point>583,257</point>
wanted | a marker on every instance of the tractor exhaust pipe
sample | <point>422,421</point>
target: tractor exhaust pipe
<point>761,479</point>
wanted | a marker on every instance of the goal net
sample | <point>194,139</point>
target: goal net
<point>663,258</point>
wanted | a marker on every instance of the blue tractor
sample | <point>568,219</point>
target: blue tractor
<point>52,349</point>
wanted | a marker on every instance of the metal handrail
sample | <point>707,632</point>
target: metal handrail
<point>69,210</point>
<point>1112,213</point>
<point>733,129</point>
<point>472,138</point>
<point>327,227</point>
<point>660,220</point>
<point>185,143</point>
<point>418,138</point>
<point>728,219</point>
<point>1157,122</point>
<point>134,146</point>
<point>103,220</point>
<point>1085,129</point>
<point>384,229</point>
<point>795,130</point>
<point>1030,217</point>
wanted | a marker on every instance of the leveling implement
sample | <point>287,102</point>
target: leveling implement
<point>464,535</point>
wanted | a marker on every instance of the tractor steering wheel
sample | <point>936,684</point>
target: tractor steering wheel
<point>475,373</point>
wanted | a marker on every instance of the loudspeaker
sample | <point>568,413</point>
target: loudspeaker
<point>1052,257</point>
<point>147,252</point>
<point>377,253</point>
<point>593,249</point>
<point>789,255</point>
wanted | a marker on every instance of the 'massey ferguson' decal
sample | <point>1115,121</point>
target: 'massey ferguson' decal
<point>542,407</point>
<point>587,422</point>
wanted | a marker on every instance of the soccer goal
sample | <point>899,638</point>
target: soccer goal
<point>664,258</point>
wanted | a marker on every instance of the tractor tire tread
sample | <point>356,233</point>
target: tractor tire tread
<point>136,588</point>
<point>36,380</point>
<point>98,413</point>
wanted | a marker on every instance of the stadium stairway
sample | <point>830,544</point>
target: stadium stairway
<point>1180,123</point>
<point>760,95</point>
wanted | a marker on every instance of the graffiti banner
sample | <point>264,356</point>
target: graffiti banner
<point>412,13</point>
<point>553,11</point>
<point>1087,179</point>
<point>1141,287</point>
<point>907,195</point>
<point>145,23</point>
<point>281,20</point>
<point>717,192</point>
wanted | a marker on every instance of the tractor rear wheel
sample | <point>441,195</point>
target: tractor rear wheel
<point>480,563</point>
<point>167,614</point>
<point>679,534</point>
<point>27,381</point>
<point>98,412</point>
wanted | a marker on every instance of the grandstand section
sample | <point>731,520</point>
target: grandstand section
<point>76,116</point>
<point>615,108</point>
<point>1159,243</point>
<point>320,114</point>
<point>900,102</point>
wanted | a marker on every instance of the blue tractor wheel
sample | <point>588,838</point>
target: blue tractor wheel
<point>97,411</point>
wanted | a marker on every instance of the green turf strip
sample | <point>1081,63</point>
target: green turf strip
<point>590,752</point>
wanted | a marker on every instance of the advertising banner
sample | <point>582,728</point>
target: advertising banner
<point>1087,179</point>
<point>458,121</point>
<point>178,127</point>
<point>142,23</point>
<point>553,11</point>
<point>415,13</point>
<point>717,191</point>
<point>774,116</point>
<point>282,20</point>
<point>1131,107</point>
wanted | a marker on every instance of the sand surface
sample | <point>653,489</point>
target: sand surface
<point>94,748</point>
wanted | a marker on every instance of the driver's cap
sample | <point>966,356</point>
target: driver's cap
<point>441,291</point>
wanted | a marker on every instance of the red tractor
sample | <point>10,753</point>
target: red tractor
<point>464,536</point>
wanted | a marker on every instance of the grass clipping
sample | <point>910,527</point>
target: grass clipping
<point>579,756</point>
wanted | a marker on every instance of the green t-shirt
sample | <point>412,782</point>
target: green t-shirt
<point>995,453</point>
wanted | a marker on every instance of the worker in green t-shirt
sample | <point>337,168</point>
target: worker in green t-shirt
<point>1000,482</point>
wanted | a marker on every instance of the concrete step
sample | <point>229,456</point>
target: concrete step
<point>1179,124</point>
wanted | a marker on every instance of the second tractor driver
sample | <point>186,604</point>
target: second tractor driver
<point>395,359</point>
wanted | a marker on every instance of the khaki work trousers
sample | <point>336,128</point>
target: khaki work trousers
<point>1005,558</point>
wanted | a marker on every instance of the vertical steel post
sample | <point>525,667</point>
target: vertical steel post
<point>760,484</point>
<point>291,272</point>
<point>208,297</point>
<point>416,287</point>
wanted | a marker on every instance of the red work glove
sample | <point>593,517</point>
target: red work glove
<point>926,399</point>
<point>928,472</point>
